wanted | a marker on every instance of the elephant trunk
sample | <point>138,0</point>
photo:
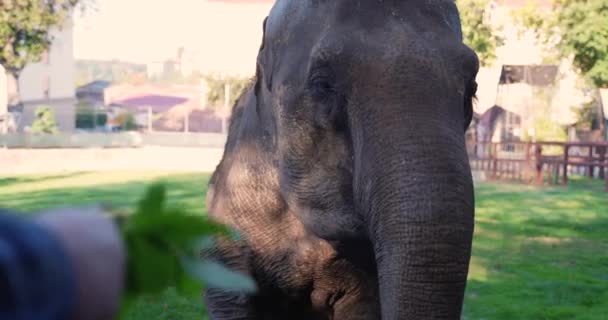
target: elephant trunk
<point>414,187</point>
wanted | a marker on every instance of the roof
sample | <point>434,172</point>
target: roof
<point>535,75</point>
<point>157,103</point>
<point>488,118</point>
<point>97,86</point>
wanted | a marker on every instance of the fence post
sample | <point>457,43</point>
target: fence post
<point>565,176</point>
<point>591,168</point>
<point>538,152</point>
<point>494,147</point>
<point>186,122</point>
<point>602,152</point>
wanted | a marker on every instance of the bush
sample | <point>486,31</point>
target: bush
<point>127,121</point>
<point>45,121</point>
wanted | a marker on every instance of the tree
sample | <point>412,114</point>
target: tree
<point>477,32</point>
<point>216,88</point>
<point>45,121</point>
<point>576,29</point>
<point>25,34</point>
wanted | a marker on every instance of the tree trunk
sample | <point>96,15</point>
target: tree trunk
<point>13,94</point>
<point>11,103</point>
<point>3,100</point>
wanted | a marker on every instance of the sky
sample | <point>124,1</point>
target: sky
<point>152,30</point>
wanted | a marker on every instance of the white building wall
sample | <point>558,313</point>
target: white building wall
<point>56,74</point>
<point>51,82</point>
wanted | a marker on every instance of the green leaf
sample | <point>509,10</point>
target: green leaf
<point>216,275</point>
<point>151,268</point>
<point>154,200</point>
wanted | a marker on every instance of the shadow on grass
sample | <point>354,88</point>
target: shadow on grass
<point>9,181</point>
<point>186,189</point>
<point>539,253</point>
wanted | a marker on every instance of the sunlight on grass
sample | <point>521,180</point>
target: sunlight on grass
<point>538,253</point>
<point>77,180</point>
<point>477,270</point>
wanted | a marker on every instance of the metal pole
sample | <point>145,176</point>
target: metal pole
<point>538,153</point>
<point>186,121</point>
<point>565,176</point>
<point>149,119</point>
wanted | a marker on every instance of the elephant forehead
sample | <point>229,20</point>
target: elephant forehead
<point>365,14</point>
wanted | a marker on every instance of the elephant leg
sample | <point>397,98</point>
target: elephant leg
<point>222,305</point>
<point>356,307</point>
<point>227,305</point>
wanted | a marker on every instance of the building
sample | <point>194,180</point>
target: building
<point>604,110</point>
<point>49,82</point>
<point>93,93</point>
<point>519,86</point>
<point>171,107</point>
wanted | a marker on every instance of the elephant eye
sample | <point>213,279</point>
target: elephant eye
<point>321,82</point>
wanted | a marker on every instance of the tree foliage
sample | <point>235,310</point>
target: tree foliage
<point>477,31</point>
<point>25,29</point>
<point>216,89</point>
<point>126,121</point>
<point>575,29</point>
<point>45,121</point>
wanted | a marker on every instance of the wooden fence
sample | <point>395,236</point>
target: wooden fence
<point>539,162</point>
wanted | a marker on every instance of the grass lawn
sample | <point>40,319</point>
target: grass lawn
<point>539,253</point>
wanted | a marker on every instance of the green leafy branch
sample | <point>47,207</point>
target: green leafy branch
<point>163,245</point>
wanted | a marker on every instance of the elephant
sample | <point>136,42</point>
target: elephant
<point>345,169</point>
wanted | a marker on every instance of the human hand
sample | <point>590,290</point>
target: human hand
<point>95,247</point>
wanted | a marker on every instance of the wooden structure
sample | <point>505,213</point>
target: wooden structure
<point>540,162</point>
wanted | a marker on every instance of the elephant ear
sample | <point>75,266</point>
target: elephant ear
<point>263,72</point>
<point>263,83</point>
<point>468,104</point>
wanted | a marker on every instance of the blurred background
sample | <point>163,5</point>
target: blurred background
<point>100,97</point>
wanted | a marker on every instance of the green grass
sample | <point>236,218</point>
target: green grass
<point>539,253</point>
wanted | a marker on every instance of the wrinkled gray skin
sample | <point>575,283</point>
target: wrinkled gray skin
<point>345,167</point>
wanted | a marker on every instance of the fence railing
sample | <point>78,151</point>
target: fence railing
<point>540,162</point>
<point>112,140</point>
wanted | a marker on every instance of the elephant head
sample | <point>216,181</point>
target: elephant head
<point>362,106</point>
